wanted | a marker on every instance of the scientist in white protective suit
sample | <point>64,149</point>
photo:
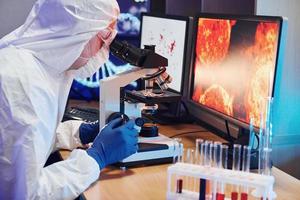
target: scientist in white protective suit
<point>60,40</point>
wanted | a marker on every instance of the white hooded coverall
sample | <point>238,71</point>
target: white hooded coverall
<point>34,84</point>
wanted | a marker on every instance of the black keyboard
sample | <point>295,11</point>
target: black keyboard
<point>84,114</point>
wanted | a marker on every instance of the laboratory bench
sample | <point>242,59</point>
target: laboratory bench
<point>150,182</point>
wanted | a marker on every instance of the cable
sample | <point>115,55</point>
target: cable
<point>190,132</point>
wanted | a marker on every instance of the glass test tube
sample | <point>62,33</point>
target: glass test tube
<point>204,184</point>
<point>268,122</point>
<point>265,130</point>
<point>267,161</point>
<point>177,149</point>
<point>224,160</point>
<point>209,163</point>
<point>246,168</point>
<point>198,160</point>
<point>218,164</point>
<point>199,151</point>
<point>251,133</point>
<point>225,156</point>
<point>178,157</point>
<point>217,154</point>
<point>261,142</point>
<point>236,158</point>
<point>188,157</point>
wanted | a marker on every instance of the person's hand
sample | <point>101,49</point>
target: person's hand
<point>88,132</point>
<point>115,142</point>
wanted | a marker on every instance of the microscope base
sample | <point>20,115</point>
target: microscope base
<point>153,150</point>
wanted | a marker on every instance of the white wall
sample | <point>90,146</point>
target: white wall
<point>287,90</point>
<point>13,14</point>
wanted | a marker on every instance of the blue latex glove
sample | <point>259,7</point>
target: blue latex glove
<point>88,132</point>
<point>115,142</point>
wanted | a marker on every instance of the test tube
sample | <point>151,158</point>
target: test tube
<point>246,158</point>
<point>251,133</point>
<point>179,179</point>
<point>267,161</point>
<point>268,122</point>
<point>188,157</point>
<point>199,151</point>
<point>261,142</point>
<point>204,184</point>
<point>224,156</point>
<point>177,149</point>
<point>217,155</point>
<point>198,159</point>
<point>209,162</point>
<point>265,130</point>
<point>246,168</point>
<point>224,159</point>
<point>236,167</point>
<point>218,164</point>
<point>208,147</point>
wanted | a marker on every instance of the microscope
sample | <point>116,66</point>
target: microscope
<point>153,148</point>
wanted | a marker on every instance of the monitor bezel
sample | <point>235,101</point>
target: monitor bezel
<point>192,105</point>
<point>185,56</point>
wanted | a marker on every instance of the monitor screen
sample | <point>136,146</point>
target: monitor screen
<point>234,64</point>
<point>168,34</point>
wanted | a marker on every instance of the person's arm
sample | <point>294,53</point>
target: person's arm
<point>74,133</point>
<point>26,140</point>
<point>67,135</point>
<point>67,179</point>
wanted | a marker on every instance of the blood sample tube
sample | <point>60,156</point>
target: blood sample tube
<point>189,158</point>
<point>218,164</point>
<point>204,184</point>
<point>198,160</point>
<point>245,168</point>
<point>236,167</point>
<point>224,158</point>
<point>179,179</point>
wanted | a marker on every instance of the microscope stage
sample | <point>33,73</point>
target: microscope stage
<point>152,150</point>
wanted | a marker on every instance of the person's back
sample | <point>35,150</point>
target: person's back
<point>28,99</point>
<point>35,78</point>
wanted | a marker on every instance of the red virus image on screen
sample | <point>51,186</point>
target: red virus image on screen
<point>234,66</point>
<point>165,42</point>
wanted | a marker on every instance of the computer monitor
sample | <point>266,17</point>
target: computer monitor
<point>233,67</point>
<point>169,35</point>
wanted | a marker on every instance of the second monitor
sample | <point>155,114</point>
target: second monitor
<point>169,35</point>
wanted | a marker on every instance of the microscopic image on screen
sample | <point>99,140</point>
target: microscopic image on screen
<point>234,65</point>
<point>168,36</point>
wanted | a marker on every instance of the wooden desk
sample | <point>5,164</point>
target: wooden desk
<point>150,182</point>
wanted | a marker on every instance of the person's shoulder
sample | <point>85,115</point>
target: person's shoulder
<point>11,55</point>
<point>15,62</point>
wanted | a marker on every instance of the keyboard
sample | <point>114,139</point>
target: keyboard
<point>88,115</point>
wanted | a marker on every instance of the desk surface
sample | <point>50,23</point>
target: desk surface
<point>150,182</point>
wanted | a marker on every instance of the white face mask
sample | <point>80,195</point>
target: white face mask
<point>93,64</point>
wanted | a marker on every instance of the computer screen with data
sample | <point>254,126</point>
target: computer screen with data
<point>235,59</point>
<point>169,35</point>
